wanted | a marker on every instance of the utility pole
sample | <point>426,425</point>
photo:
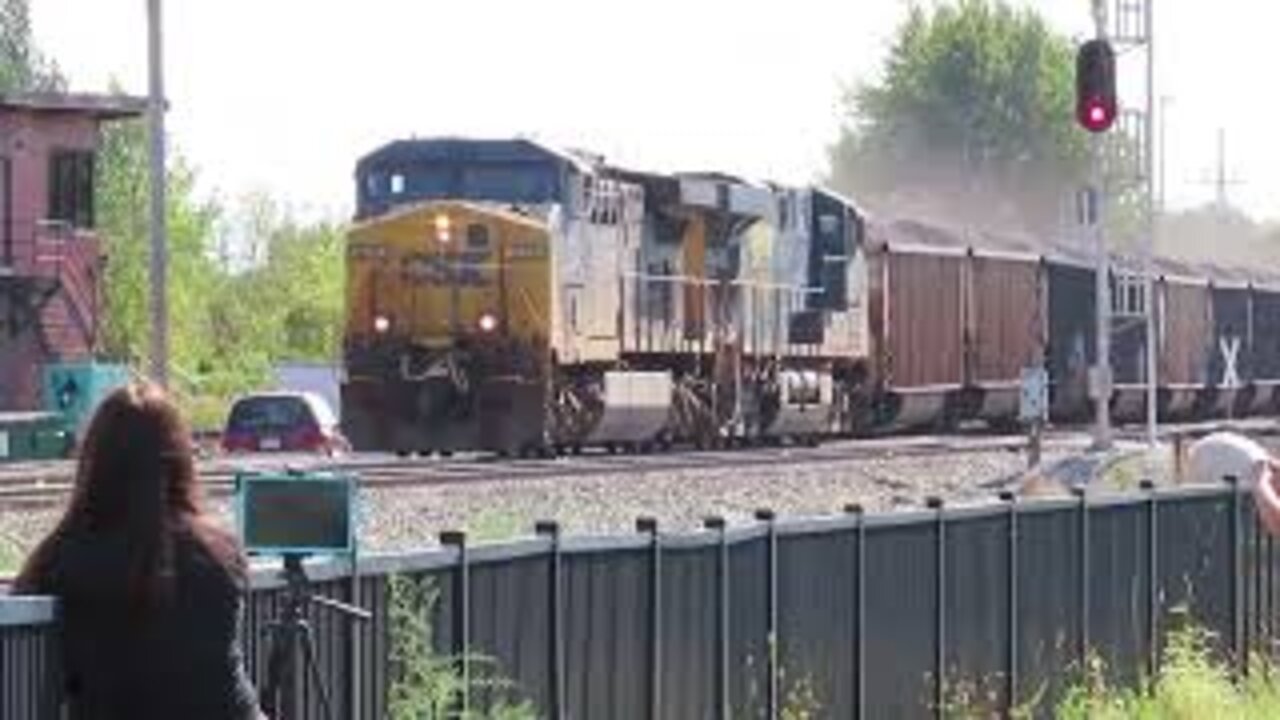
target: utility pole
<point>159,236</point>
<point>1165,101</point>
<point>1148,237</point>
<point>1220,179</point>
<point>1101,380</point>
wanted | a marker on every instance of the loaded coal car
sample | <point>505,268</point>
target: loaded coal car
<point>1263,346</point>
<point>1184,328</point>
<point>1005,329</point>
<point>916,297</point>
<point>1072,347</point>
<point>1230,358</point>
<point>956,318</point>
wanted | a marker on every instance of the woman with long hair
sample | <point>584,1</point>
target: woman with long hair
<point>150,589</point>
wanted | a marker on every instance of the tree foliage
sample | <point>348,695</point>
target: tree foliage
<point>123,193</point>
<point>228,322</point>
<point>22,65</point>
<point>973,117</point>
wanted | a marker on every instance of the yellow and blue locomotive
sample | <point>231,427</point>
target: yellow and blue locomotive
<point>503,295</point>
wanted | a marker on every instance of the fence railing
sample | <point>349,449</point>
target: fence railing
<point>856,615</point>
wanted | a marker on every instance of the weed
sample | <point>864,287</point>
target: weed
<point>430,686</point>
<point>494,526</point>
<point>10,555</point>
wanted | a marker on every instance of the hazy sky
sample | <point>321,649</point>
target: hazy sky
<point>284,95</point>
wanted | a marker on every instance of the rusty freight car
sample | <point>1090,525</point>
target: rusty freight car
<point>917,324</point>
<point>1004,329</point>
<point>1184,327</point>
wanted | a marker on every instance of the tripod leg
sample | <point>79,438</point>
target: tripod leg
<point>277,648</point>
<point>309,657</point>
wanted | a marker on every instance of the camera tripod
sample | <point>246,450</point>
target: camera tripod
<point>290,635</point>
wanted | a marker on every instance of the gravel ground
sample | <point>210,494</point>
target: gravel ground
<point>404,518</point>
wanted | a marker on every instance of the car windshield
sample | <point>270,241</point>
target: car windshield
<point>263,413</point>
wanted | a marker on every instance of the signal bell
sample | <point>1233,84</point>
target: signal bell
<point>1096,86</point>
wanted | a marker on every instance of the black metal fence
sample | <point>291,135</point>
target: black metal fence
<point>852,616</point>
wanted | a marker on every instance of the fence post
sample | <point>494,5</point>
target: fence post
<point>461,616</point>
<point>1153,579</point>
<point>550,529</point>
<point>859,610</point>
<point>1255,639</point>
<point>766,515</point>
<point>1011,650</point>
<point>722,615</point>
<point>649,526</point>
<point>1083,547</point>
<point>1234,530</point>
<point>1269,614</point>
<point>940,601</point>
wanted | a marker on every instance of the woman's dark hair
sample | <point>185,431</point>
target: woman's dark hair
<point>136,478</point>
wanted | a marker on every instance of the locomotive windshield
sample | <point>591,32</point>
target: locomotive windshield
<point>516,183</point>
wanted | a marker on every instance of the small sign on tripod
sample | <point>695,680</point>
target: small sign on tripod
<point>1033,409</point>
<point>1034,405</point>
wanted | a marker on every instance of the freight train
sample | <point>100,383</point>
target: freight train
<point>507,296</point>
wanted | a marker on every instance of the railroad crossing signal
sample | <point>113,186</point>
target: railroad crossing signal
<point>1096,106</point>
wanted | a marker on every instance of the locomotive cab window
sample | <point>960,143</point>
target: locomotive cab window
<point>477,237</point>
<point>71,188</point>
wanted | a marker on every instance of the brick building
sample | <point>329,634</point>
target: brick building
<point>51,257</point>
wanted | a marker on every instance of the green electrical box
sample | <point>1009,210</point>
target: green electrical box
<point>32,436</point>
<point>73,390</point>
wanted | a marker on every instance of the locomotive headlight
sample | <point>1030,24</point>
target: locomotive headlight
<point>381,324</point>
<point>488,323</point>
<point>442,228</point>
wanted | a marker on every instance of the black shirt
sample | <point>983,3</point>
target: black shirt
<point>179,660</point>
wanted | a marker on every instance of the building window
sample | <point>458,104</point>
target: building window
<point>71,188</point>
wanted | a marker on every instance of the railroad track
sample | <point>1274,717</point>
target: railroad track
<point>47,483</point>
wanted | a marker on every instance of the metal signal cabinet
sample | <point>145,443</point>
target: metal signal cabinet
<point>32,436</point>
<point>73,390</point>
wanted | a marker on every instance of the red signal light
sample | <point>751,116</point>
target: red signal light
<point>1096,86</point>
<point>1097,116</point>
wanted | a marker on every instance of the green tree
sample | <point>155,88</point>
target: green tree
<point>123,195</point>
<point>22,65</point>
<point>973,119</point>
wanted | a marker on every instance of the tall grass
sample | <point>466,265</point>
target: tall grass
<point>1192,685</point>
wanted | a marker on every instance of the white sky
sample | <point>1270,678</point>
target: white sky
<point>284,95</point>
